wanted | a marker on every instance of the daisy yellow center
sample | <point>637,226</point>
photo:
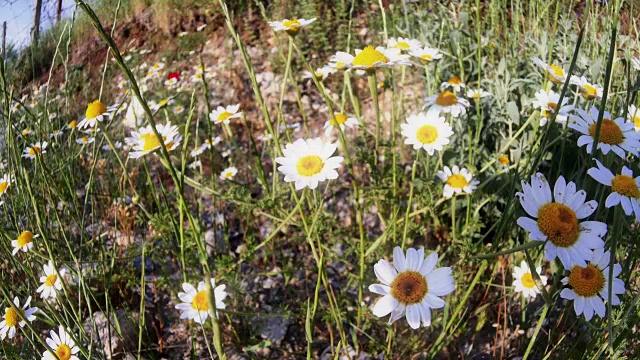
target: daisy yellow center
<point>85,140</point>
<point>178,108</point>
<point>551,109</point>
<point>557,70</point>
<point>224,116</point>
<point>64,352</point>
<point>292,24</point>
<point>586,282</point>
<point>409,287</point>
<point>340,65</point>
<point>318,74</point>
<point>56,132</point>
<point>228,174</point>
<point>11,316</point>
<point>34,150</point>
<point>338,119</point>
<point>455,81</point>
<point>636,119</point>
<point>457,181</point>
<point>25,238</point>
<point>73,124</point>
<point>310,165</point>
<point>446,98</point>
<point>426,57</point>
<point>26,131</point>
<point>427,134</point>
<point>559,223</point>
<point>503,159</point>
<point>588,92</point>
<point>624,185</point>
<point>200,301</point>
<point>3,186</point>
<point>95,108</point>
<point>610,132</point>
<point>527,281</point>
<point>150,141</point>
<point>402,45</point>
<point>369,56</point>
<point>51,280</point>
<point>163,102</point>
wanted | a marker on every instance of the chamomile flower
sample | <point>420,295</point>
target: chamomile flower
<point>477,94</point>
<point>52,116</point>
<point>428,131</point>
<point>615,135</point>
<point>371,58</point>
<point>454,83</point>
<point>56,134</point>
<point>523,280</point>
<point>208,143</point>
<point>27,132</point>
<point>503,161</point>
<point>321,73</point>
<point>457,181</point>
<point>144,141</point>
<point>426,54</point>
<point>195,305</point>
<point>340,120</point>
<point>62,345</point>
<point>557,218</point>
<point>547,102</point>
<point>72,124</point>
<point>403,44</point>
<point>96,112</point>
<point>292,26</point>
<point>50,281</point>
<point>447,102</point>
<point>625,189</point>
<point>30,152</point>
<point>194,165</point>
<point>555,73</point>
<point>155,106</point>
<point>223,115</point>
<point>588,90</point>
<point>228,173</point>
<point>24,242</point>
<point>16,317</point>
<point>5,181</point>
<point>178,109</point>
<point>634,116</point>
<point>85,140</point>
<point>107,147</point>
<point>308,162</point>
<point>412,286</point>
<point>589,285</point>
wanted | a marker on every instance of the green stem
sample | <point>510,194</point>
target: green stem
<point>373,88</point>
<point>411,186</point>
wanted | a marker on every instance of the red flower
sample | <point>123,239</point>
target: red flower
<point>174,75</point>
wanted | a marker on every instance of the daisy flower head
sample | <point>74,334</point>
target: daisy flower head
<point>144,141</point>
<point>341,120</point>
<point>340,61</point>
<point>625,189</point>
<point>477,94</point>
<point>85,140</point>
<point>50,281</point>
<point>524,282</point>
<point>56,133</point>
<point>589,285</point>
<point>309,162</point>
<point>31,152</point>
<point>72,124</point>
<point>634,116</point>
<point>16,317</point>
<point>588,90</point>
<point>321,73</point>
<point>447,102</point>
<point>5,181</point>
<point>194,165</point>
<point>457,181</point>
<point>27,132</point>
<point>223,115</point>
<point>370,58</point>
<point>428,131</point>
<point>208,143</point>
<point>555,73</point>
<point>155,106</point>
<point>228,173</point>
<point>426,54</point>
<point>24,242</point>
<point>412,286</point>
<point>403,44</point>
<point>615,135</point>
<point>96,112</point>
<point>178,109</point>
<point>555,219</point>
<point>195,302</point>
<point>62,345</point>
<point>454,83</point>
<point>107,147</point>
<point>547,102</point>
<point>503,161</point>
<point>292,26</point>
<point>52,116</point>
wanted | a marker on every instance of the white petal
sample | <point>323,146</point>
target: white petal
<point>384,306</point>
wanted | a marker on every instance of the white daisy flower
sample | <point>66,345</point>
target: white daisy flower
<point>615,135</point>
<point>447,102</point>
<point>223,115</point>
<point>524,282</point>
<point>454,83</point>
<point>62,345</point>
<point>371,58</point>
<point>555,73</point>
<point>547,102</point>
<point>340,61</point>
<point>194,165</point>
<point>308,162</point>
<point>457,181</point>
<point>557,222</point>
<point>589,285</point>
<point>208,143</point>
<point>178,109</point>
<point>30,152</point>
<point>625,189</point>
<point>341,120</point>
<point>292,26</point>
<point>195,305</point>
<point>633,116</point>
<point>321,73</point>
<point>503,161</point>
<point>107,147</point>
<point>56,134</point>
<point>477,94</point>
<point>16,317</point>
<point>403,44</point>
<point>96,112</point>
<point>85,140</point>
<point>52,116</point>
<point>24,242</point>
<point>428,131</point>
<point>412,286</point>
<point>588,90</point>
<point>50,281</point>
<point>145,141</point>
<point>226,153</point>
<point>160,104</point>
<point>27,132</point>
<point>228,173</point>
<point>426,54</point>
<point>5,181</point>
